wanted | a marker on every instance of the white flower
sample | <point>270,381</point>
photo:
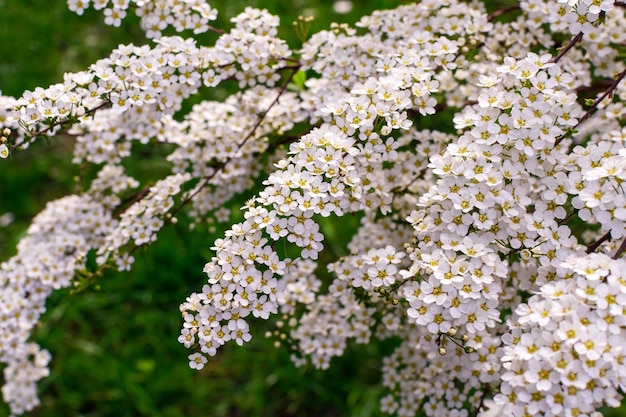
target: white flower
<point>197,361</point>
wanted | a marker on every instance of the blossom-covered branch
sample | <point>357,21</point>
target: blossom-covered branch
<point>491,215</point>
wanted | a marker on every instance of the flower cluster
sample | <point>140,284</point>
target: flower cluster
<point>52,256</point>
<point>565,353</point>
<point>135,83</point>
<point>124,97</point>
<point>477,209</point>
<point>220,143</point>
<point>48,258</point>
<point>485,158</point>
<point>596,176</point>
<point>156,16</point>
<point>140,222</point>
<point>243,274</point>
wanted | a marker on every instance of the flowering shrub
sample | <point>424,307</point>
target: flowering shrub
<point>483,151</point>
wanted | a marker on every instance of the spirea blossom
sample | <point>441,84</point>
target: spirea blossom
<point>483,159</point>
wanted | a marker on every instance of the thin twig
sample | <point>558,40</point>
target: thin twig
<point>567,47</point>
<point>129,201</point>
<point>287,140</point>
<point>221,166</point>
<point>597,101</point>
<point>594,87</point>
<point>607,92</point>
<point>216,30</point>
<point>621,249</point>
<point>568,218</point>
<point>486,390</point>
<point>595,245</point>
<point>66,121</point>
<point>500,12</point>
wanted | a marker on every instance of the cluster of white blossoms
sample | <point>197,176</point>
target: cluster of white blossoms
<point>53,252</point>
<point>140,223</point>
<point>565,353</point>
<point>484,152</point>
<point>156,16</point>
<point>218,141</point>
<point>123,97</point>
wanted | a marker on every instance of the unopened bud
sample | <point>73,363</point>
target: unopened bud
<point>443,351</point>
<point>452,332</point>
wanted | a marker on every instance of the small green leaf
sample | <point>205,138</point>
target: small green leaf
<point>299,78</point>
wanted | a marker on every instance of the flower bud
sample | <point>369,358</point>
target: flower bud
<point>525,254</point>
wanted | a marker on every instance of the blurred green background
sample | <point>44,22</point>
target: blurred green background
<point>114,349</point>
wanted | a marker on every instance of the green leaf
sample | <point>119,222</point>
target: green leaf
<point>299,78</point>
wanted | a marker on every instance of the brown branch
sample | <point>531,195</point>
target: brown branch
<point>221,166</point>
<point>129,201</point>
<point>620,250</point>
<point>594,87</point>
<point>296,66</point>
<point>568,218</point>
<point>595,245</point>
<point>287,140</point>
<point>216,30</point>
<point>500,12</point>
<point>290,59</point>
<point>486,390</point>
<point>606,93</point>
<point>567,47</point>
<point>66,121</point>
